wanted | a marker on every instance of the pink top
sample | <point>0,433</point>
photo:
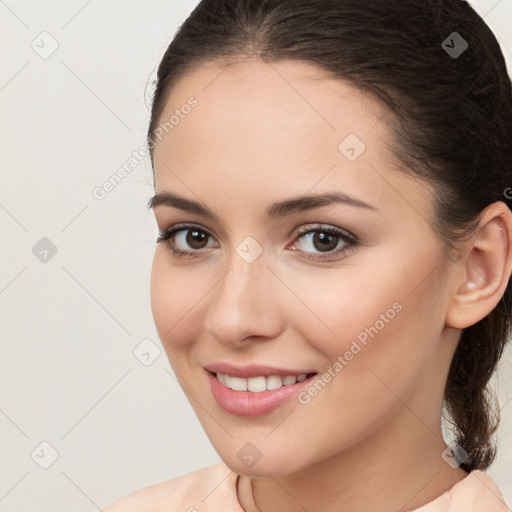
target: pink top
<point>214,489</point>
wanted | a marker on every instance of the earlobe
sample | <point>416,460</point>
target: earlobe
<point>486,268</point>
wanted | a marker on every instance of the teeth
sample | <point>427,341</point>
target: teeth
<point>289,380</point>
<point>238,384</point>
<point>274,382</point>
<point>259,384</point>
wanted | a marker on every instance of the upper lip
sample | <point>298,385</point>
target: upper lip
<point>252,370</point>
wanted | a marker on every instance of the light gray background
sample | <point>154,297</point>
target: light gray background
<point>69,376</point>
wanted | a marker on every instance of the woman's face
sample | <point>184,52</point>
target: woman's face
<point>346,289</point>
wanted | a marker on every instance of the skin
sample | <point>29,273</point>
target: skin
<point>371,439</point>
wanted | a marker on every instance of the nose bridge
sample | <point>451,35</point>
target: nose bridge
<point>242,304</point>
<point>247,264</point>
<point>243,278</point>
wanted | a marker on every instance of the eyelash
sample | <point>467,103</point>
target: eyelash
<point>350,241</point>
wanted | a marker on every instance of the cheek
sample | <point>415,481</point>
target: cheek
<point>376,312</point>
<point>372,368</point>
<point>341,304</point>
<point>386,343</point>
<point>176,295</point>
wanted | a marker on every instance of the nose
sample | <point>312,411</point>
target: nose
<point>245,305</point>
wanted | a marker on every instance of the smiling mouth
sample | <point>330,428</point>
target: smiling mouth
<point>261,383</point>
<point>252,394</point>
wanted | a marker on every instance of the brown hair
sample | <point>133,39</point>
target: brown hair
<point>451,123</point>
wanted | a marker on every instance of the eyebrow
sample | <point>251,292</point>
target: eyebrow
<point>278,209</point>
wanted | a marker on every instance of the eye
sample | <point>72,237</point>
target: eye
<point>327,240</point>
<point>185,240</point>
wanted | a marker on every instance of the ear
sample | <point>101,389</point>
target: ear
<point>485,268</point>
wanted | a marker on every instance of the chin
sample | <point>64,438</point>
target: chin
<point>275,466</point>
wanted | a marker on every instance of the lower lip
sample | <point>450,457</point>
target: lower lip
<point>248,403</point>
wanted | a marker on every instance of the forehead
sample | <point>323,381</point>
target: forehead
<point>285,125</point>
<point>269,108</point>
<point>298,89</point>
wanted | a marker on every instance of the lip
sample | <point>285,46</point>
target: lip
<point>253,370</point>
<point>248,403</point>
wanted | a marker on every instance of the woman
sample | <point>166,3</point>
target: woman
<point>335,252</point>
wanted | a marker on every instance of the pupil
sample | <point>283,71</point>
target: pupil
<point>195,237</point>
<point>323,238</point>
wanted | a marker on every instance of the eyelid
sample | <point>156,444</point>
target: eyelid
<point>312,227</point>
<point>182,226</point>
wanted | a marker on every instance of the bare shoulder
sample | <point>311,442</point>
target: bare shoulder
<point>179,493</point>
